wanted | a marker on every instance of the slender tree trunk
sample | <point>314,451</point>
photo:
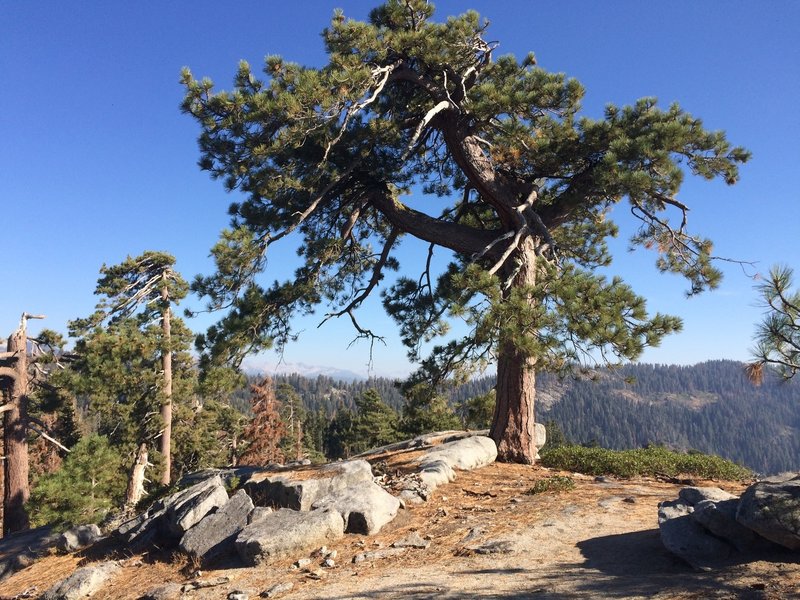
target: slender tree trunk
<point>166,406</point>
<point>15,421</point>
<point>513,422</point>
<point>135,489</point>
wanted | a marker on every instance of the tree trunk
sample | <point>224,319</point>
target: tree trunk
<point>135,489</point>
<point>166,406</point>
<point>15,441</point>
<point>513,422</point>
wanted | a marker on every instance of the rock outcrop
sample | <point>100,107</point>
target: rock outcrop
<point>706,526</point>
<point>772,509</point>
<point>286,532</point>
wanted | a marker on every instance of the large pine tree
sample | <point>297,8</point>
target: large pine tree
<point>508,180</point>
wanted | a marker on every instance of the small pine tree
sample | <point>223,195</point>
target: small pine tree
<point>426,411</point>
<point>91,482</point>
<point>478,410</point>
<point>266,430</point>
<point>376,422</point>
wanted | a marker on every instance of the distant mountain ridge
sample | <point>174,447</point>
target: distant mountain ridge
<point>711,407</point>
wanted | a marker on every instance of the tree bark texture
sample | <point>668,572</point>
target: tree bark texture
<point>166,406</point>
<point>15,420</point>
<point>513,427</point>
<point>135,489</point>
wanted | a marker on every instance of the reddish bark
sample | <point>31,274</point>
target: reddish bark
<point>512,426</point>
<point>15,421</point>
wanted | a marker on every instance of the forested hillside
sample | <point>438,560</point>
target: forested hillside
<point>711,407</point>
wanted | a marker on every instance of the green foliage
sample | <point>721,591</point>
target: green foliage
<point>651,461</point>
<point>205,437</point>
<point>554,483</point>
<point>478,410</point>
<point>510,175</point>
<point>376,423</point>
<point>554,435</point>
<point>425,411</point>
<point>778,335</point>
<point>90,482</point>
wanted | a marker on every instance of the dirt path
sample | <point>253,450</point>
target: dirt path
<point>599,540</point>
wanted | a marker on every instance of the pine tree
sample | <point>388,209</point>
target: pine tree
<point>376,423</point>
<point>518,185</point>
<point>89,484</point>
<point>425,411</point>
<point>778,335</point>
<point>145,286</point>
<point>23,367</point>
<point>266,430</point>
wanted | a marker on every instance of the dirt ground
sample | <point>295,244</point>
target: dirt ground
<point>599,540</point>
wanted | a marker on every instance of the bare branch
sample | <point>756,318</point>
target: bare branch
<point>52,440</point>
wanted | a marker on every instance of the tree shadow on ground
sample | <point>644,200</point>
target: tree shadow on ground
<point>629,565</point>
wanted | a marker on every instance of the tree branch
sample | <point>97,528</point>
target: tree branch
<point>459,238</point>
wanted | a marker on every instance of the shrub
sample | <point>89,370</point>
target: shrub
<point>554,483</point>
<point>651,461</point>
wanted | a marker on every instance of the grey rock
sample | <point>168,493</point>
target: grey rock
<point>166,518</point>
<point>467,454</point>
<point>168,591</point>
<point>412,540</point>
<point>695,495</point>
<point>19,550</point>
<point>720,519</point>
<point>213,537</point>
<point>236,595</point>
<point>83,582</point>
<point>365,509</point>
<point>378,554</point>
<point>329,563</point>
<point>772,510</point>
<point>286,532</point>
<point>492,547</point>
<point>277,590</point>
<point>259,513</point>
<point>302,563</point>
<point>187,512</point>
<point>199,584</point>
<point>687,539</point>
<point>300,488</point>
<point>78,537</point>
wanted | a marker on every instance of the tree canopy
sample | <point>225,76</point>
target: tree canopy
<point>416,128</point>
<point>778,335</point>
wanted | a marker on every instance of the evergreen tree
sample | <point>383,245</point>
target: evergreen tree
<point>519,189</point>
<point>778,335</point>
<point>339,435</point>
<point>89,484</point>
<point>266,430</point>
<point>375,423</point>
<point>23,368</point>
<point>293,415</point>
<point>145,286</point>
<point>478,410</point>
<point>425,411</point>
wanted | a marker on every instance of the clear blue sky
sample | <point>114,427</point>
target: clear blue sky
<point>97,162</point>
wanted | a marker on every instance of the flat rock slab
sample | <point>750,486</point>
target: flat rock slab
<point>299,488</point>
<point>365,509</point>
<point>83,582</point>
<point>214,536</point>
<point>18,550</point>
<point>772,510</point>
<point>286,532</point>
<point>438,464</point>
